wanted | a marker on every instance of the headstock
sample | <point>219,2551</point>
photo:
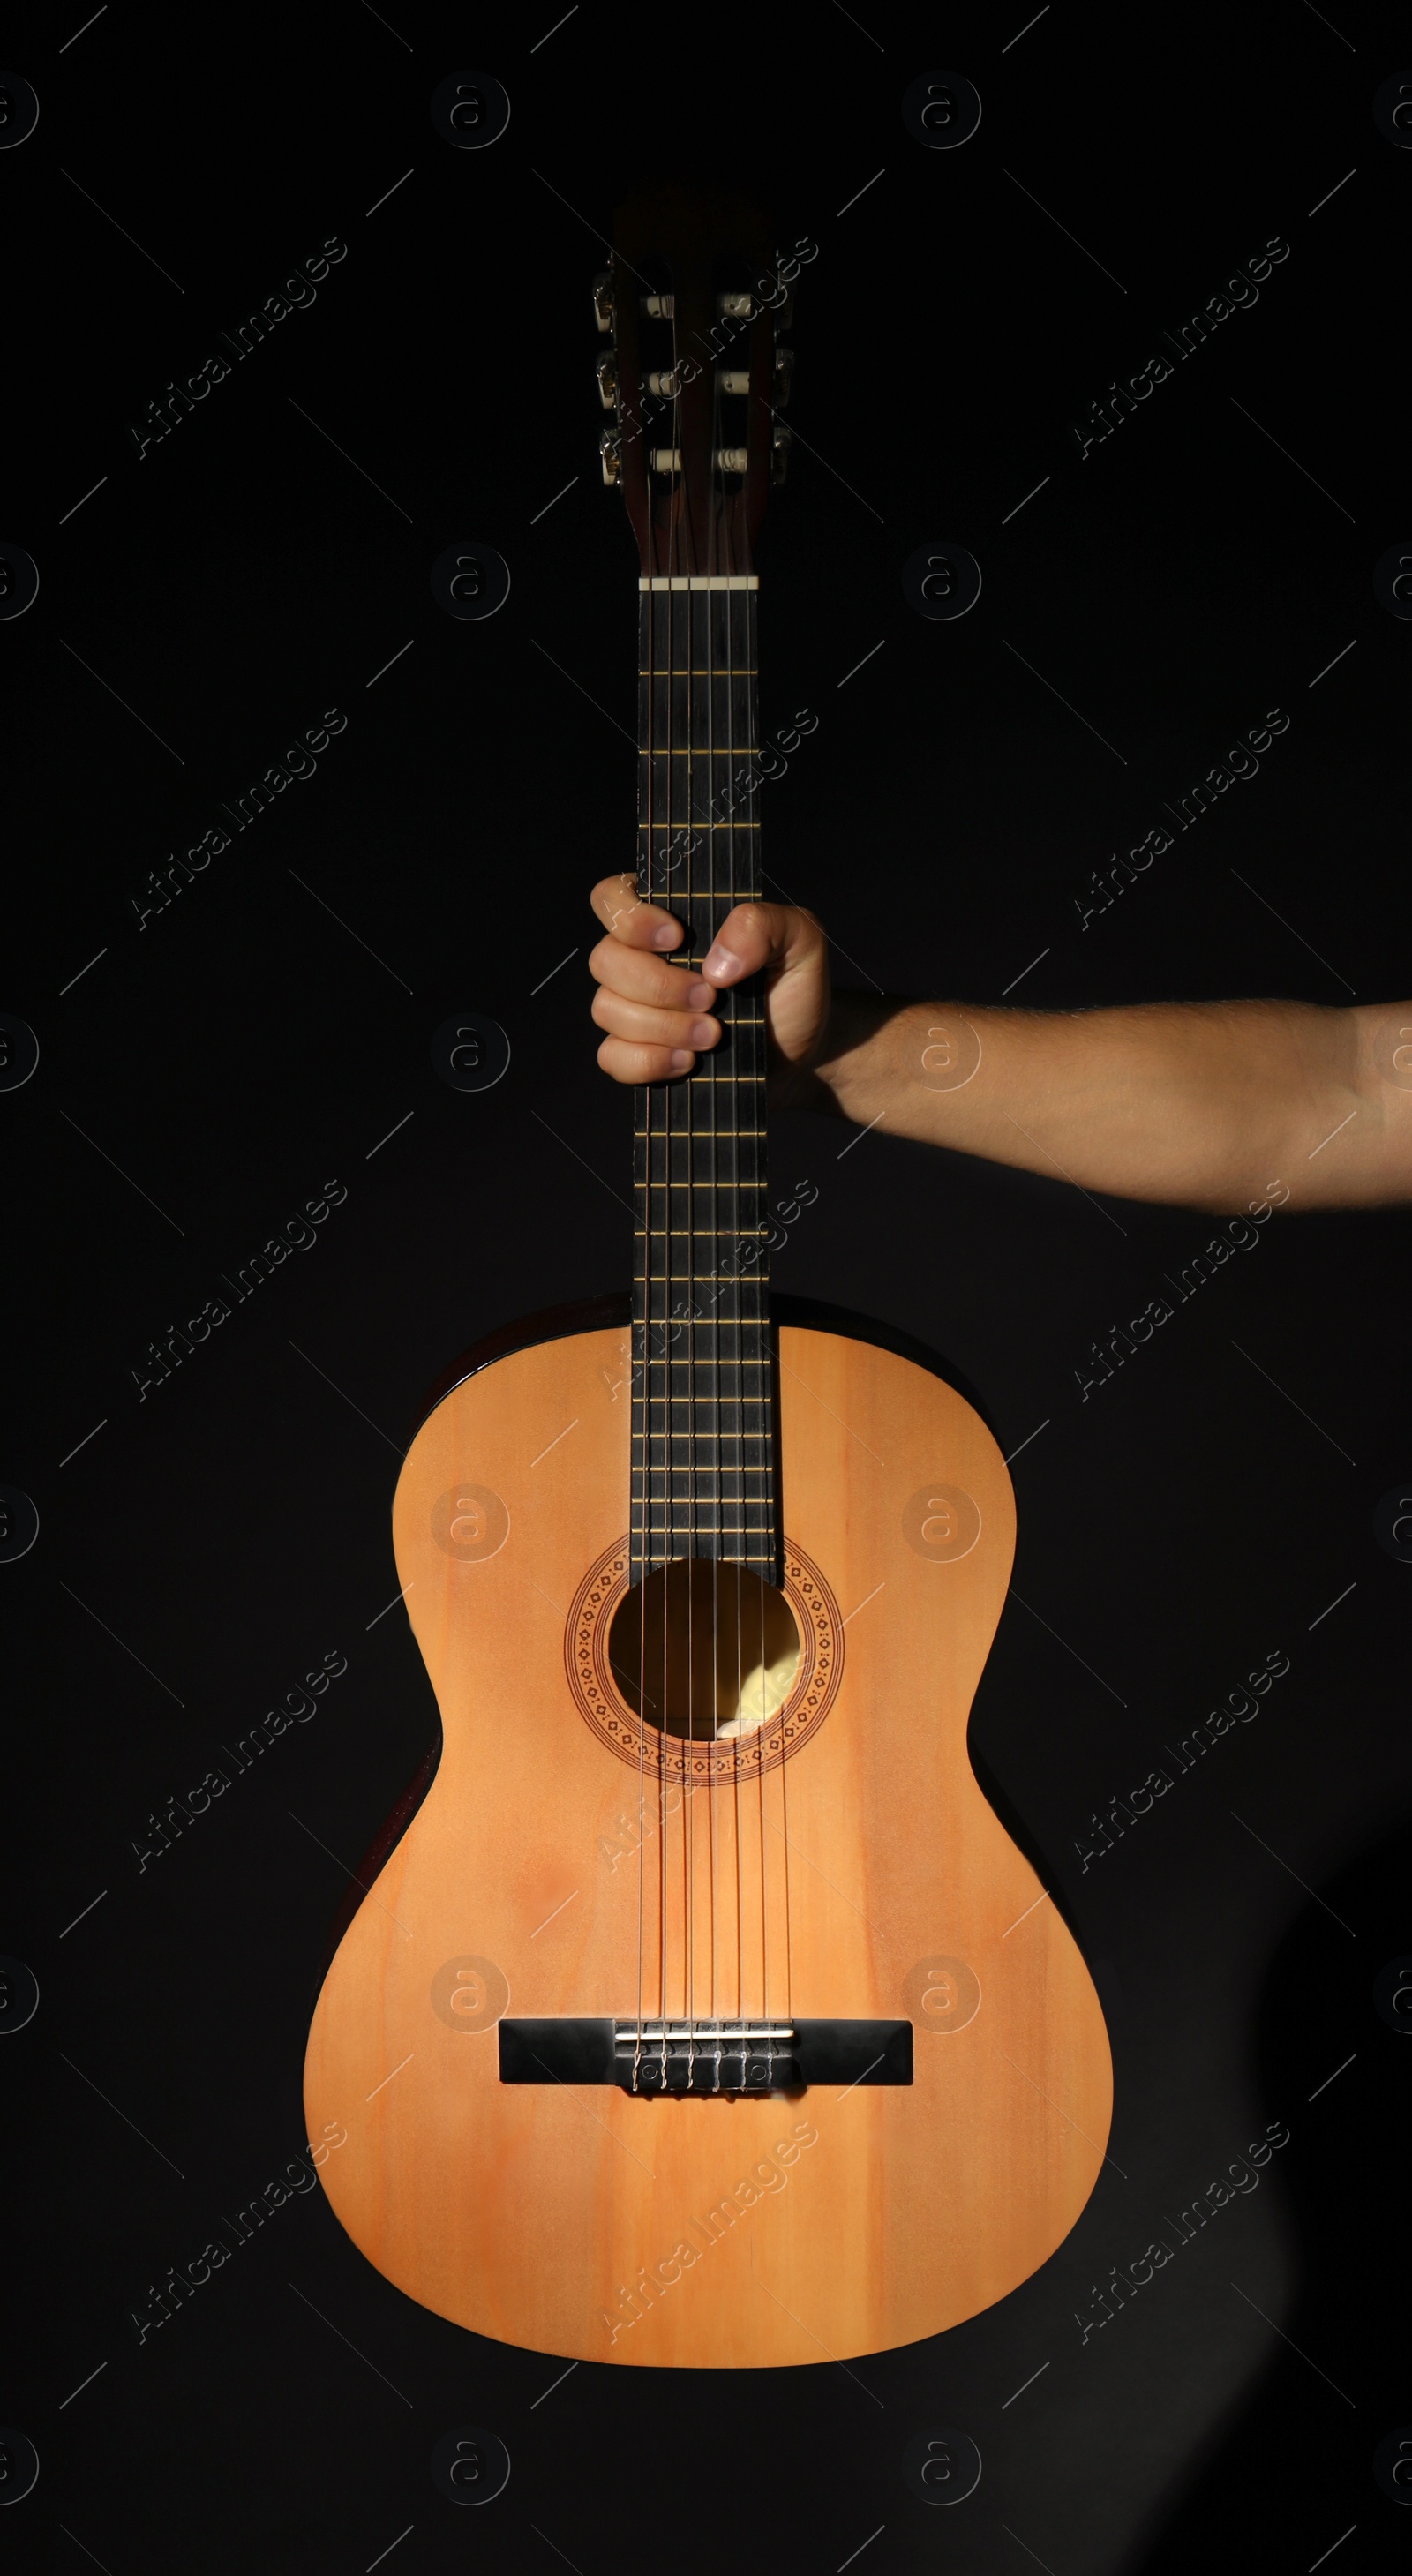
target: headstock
<point>694,377</point>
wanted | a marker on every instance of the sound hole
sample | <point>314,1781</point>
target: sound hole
<point>704,1650</point>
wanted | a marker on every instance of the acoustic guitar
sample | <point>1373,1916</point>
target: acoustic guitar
<point>704,2013</point>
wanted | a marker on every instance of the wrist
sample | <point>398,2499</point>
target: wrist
<point>839,1070</point>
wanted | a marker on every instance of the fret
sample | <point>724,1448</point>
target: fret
<point>715,1323</point>
<point>699,581</point>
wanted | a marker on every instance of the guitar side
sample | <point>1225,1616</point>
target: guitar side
<point>864,1876</point>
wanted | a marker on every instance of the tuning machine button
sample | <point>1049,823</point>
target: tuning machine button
<point>610,453</point>
<point>603,299</point>
<point>784,374</point>
<point>608,383</point>
<point>780,445</point>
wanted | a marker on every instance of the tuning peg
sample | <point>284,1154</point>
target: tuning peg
<point>603,299</point>
<point>610,454</point>
<point>784,374</point>
<point>608,383</point>
<point>780,445</point>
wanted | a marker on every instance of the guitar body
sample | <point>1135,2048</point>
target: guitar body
<point>841,1861</point>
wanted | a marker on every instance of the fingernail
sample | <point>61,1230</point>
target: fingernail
<point>681,1058</point>
<point>666,936</point>
<point>702,1033</point>
<point>718,965</point>
<point>699,997</point>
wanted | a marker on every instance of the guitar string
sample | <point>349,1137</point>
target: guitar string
<point>712,1111</point>
<point>742,1291</point>
<point>707,612</point>
<point>642,1355</point>
<point>732,1111</point>
<point>769,1459</point>
<point>688,602</point>
<point>668,1109</point>
<point>671,1119</point>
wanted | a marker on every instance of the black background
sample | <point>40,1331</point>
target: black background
<point>198,611</point>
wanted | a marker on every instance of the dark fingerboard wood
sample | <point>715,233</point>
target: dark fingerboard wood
<point>703,1453</point>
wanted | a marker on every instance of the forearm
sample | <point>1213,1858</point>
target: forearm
<point>1203,1104</point>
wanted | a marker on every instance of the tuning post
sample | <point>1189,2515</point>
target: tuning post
<point>733,380</point>
<point>610,452</point>
<point>659,308</point>
<point>603,299</point>
<point>732,460</point>
<point>780,445</point>
<point>667,382</point>
<point>736,308</point>
<point>664,460</point>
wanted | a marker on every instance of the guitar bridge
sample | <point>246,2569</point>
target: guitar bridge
<point>655,2058</point>
<point>705,2056</point>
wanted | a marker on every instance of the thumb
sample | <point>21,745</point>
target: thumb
<point>790,946</point>
<point>761,934</point>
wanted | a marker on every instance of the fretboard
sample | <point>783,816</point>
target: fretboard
<point>703,1451</point>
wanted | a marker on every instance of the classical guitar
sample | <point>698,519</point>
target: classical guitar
<point>704,2014</point>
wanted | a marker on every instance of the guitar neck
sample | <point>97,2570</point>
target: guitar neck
<point>703,1481</point>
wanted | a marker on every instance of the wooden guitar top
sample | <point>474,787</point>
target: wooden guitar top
<point>855,1871</point>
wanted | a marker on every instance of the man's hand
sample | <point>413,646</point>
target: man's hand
<point>1227,1106</point>
<point>659,1016</point>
